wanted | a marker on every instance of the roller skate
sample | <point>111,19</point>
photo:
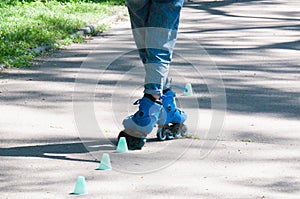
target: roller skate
<point>139,125</point>
<point>170,124</point>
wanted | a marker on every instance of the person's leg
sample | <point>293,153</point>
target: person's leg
<point>155,25</point>
<point>140,124</point>
<point>160,38</point>
<point>139,12</point>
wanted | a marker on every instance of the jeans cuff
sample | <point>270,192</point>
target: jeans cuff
<point>153,89</point>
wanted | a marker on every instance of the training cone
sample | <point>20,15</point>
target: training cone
<point>122,146</point>
<point>188,90</point>
<point>105,162</point>
<point>80,187</point>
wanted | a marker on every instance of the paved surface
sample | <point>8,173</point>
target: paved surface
<point>60,116</point>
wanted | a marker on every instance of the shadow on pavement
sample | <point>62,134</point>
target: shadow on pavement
<point>58,151</point>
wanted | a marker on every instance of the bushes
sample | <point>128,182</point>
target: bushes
<point>24,26</point>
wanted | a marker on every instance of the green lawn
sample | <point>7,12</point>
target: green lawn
<point>27,25</point>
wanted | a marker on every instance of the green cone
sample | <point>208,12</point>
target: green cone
<point>105,162</point>
<point>122,146</point>
<point>80,187</point>
<point>189,90</point>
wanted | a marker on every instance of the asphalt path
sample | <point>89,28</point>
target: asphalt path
<point>242,59</point>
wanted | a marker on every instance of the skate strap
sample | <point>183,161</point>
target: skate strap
<point>149,96</point>
<point>137,102</point>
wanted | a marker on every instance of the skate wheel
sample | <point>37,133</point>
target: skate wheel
<point>121,134</point>
<point>137,143</point>
<point>183,131</point>
<point>169,134</point>
<point>176,134</point>
<point>161,136</point>
<point>175,130</point>
<point>133,143</point>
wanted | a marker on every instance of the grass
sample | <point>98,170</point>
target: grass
<point>27,25</point>
<point>190,136</point>
<point>247,140</point>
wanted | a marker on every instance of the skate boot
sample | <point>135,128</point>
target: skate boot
<point>171,120</point>
<point>139,125</point>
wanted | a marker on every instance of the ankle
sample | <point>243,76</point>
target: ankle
<point>153,97</point>
<point>156,96</point>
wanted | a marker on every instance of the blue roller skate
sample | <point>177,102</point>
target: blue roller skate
<point>139,125</point>
<point>170,124</point>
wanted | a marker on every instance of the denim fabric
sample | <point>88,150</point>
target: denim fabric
<point>154,26</point>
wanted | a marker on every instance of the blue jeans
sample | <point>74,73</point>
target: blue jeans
<point>154,26</point>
